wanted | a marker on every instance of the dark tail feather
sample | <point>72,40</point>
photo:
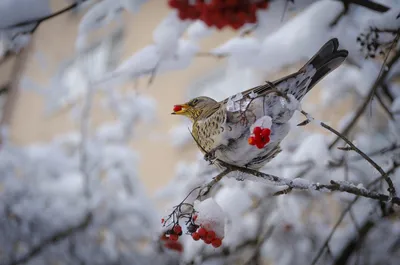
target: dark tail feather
<point>327,59</point>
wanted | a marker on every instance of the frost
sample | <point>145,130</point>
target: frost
<point>263,122</point>
<point>234,200</point>
<point>198,30</point>
<point>300,182</point>
<point>389,20</point>
<point>211,216</point>
<point>253,95</point>
<point>232,105</point>
<point>237,97</point>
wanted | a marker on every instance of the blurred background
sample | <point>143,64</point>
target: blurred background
<point>91,158</point>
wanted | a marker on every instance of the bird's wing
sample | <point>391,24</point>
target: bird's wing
<point>263,89</point>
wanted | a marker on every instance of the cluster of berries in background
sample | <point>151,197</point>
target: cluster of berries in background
<point>260,137</point>
<point>170,237</point>
<point>219,13</point>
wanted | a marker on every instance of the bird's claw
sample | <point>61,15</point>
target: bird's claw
<point>210,157</point>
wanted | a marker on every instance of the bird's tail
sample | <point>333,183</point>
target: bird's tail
<point>327,59</point>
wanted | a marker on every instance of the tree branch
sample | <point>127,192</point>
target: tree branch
<point>40,20</point>
<point>303,184</point>
<point>391,188</point>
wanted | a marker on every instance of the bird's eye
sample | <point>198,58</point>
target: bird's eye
<point>195,101</point>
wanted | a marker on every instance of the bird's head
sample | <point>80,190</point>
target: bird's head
<point>195,108</point>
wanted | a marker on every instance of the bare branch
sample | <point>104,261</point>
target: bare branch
<point>391,188</point>
<point>42,19</point>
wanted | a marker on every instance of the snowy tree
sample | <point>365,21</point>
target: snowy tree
<point>330,197</point>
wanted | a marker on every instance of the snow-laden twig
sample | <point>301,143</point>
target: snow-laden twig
<point>301,184</point>
<point>343,214</point>
<point>42,19</point>
<point>391,188</point>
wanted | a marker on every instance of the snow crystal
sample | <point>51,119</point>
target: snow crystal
<point>167,34</point>
<point>237,97</point>
<point>313,147</point>
<point>263,122</point>
<point>234,200</point>
<point>244,104</point>
<point>198,30</point>
<point>253,95</point>
<point>300,182</point>
<point>232,105</point>
<point>239,46</point>
<point>210,216</point>
<point>386,21</point>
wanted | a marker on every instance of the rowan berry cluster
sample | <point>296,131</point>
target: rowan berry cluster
<point>208,236</point>
<point>219,13</point>
<point>260,137</point>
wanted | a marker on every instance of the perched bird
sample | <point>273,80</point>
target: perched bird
<point>222,129</point>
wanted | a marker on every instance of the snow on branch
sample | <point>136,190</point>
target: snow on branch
<point>298,184</point>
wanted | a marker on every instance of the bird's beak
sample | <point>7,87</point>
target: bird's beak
<point>180,109</point>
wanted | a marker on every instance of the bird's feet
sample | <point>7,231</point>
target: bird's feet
<point>210,157</point>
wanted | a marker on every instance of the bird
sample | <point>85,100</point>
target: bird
<point>222,129</point>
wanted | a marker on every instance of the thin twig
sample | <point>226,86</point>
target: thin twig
<point>391,188</point>
<point>303,184</point>
<point>339,221</point>
<point>40,20</point>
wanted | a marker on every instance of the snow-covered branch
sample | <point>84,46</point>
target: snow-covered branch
<point>300,184</point>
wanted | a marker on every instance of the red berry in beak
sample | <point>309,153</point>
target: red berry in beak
<point>177,108</point>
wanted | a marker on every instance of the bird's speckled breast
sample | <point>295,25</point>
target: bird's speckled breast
<point>227,132</point>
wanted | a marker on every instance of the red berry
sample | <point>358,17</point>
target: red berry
<point>174,246</point>
<point>177,108</point>
<point>177,229</point>
<point>266,140</point>
<point>251,140</point>
<point>242,17</point>
<point>195,236</point>
<point>173,3</point>
<point>173,237</point>
<point>202,232</point>
<point>217,242</point>
<point>266,132</point>
<point>231,3</point>
<point>260,145</point>
<point>210,235</point>
<point>207,241</point>
<point>257,130</point>
<point>162,220</point>
<point>262,5</point>
<point>164,237</point>
<point>258,139</point>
